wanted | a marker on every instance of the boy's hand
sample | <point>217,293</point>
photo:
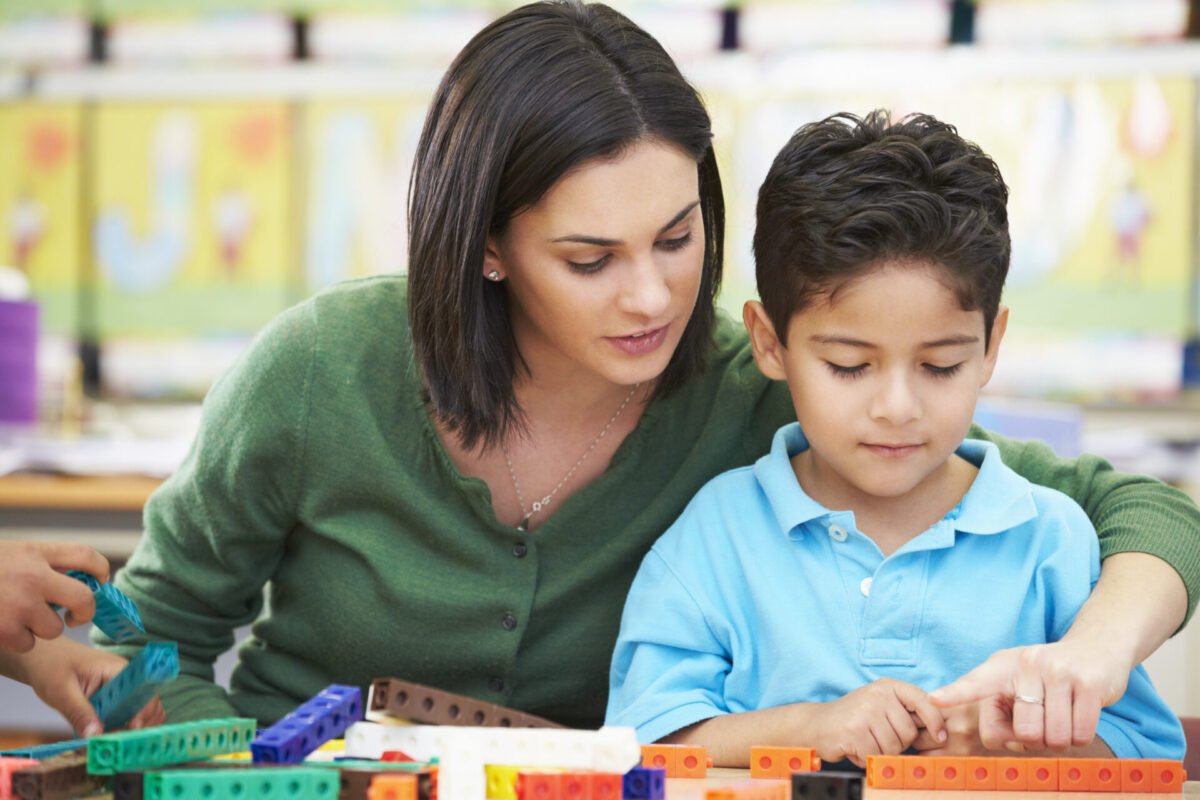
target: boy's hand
<point>1071,679</point>
<point>65,673</point>
<point>881,718</point>
<point>31,578</point>
<point>962,728</point>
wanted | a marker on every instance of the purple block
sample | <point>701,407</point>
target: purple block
<point>18,361</point>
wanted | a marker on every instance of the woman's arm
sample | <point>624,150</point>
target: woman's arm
<point>1150,539</point>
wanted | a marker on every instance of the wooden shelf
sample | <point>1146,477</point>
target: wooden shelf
<point>109,493</point>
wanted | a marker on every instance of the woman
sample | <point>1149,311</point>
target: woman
<point>459,493</point>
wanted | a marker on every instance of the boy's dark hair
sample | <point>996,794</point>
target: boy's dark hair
<point>846,193</point>
<point>540,91</point>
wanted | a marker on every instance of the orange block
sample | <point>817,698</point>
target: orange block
<point>661,756</point>
<point>980,774</point>
<point>1012,774</point>
<point>885,772</point>
<point>538,785</point>
<point>1104,774</point>
<point>1072,777</point>
<point>949,773</point>
<point>781,762</point>
<point>1043,774</point>
<point>918,772</point>
<point>690,762</point>
<point>1135,775</point>
<point>393,787</point>
<point>1166,776</point>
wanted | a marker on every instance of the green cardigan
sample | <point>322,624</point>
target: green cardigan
<point>317,475</point>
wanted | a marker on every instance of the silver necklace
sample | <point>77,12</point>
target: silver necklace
<point>538,505</point>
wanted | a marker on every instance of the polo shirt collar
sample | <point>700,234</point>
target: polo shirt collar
<point>999,499</point>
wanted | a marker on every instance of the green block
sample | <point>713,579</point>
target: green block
<point>277,783</point>
<point>168,744</point>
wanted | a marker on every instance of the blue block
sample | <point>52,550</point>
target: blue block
<point>118,700</point>
<point>44,751</point>
<point>645,783</point>
<point>116,614</point>
<point>319,719</point>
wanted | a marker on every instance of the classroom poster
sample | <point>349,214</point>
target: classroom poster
<point>358,164</point>
<point>40,232</point>
<point>191,218</point>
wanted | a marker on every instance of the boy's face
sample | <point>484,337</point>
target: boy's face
<point>884,377</point>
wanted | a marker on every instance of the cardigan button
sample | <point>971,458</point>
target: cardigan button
<point>496,684</point>
<point>520,550</point>
<point>508,622</point>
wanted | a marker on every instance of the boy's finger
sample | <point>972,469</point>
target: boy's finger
<point>901,721</point>
<point>917,701</point>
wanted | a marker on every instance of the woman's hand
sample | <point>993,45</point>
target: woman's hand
<point>962,729</point>
<point>31,578</point>
<point>1040,697</point>
<point>65,673</point>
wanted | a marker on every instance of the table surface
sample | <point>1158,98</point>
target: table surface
<point>684,789</point>
<point>109,492</point>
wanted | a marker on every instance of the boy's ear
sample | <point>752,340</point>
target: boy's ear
<point>768,350</point>
<point>999,326</point>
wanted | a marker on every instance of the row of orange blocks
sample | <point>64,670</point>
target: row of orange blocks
<point>1026,774</point>
<point>691,761</point>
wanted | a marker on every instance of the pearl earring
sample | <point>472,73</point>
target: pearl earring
<point>494,275</point>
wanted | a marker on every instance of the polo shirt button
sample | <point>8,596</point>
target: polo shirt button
<point>865,587</point>
<point>508,622</point>
<point>496,684</point>
<point>519,550</point>
<point>838,533</point>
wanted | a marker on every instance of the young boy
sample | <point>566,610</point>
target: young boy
<point>874,554</point>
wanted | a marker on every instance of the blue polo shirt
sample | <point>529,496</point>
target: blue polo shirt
<point>758,596</point>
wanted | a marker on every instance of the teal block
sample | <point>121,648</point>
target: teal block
<point>252,783</point>
<point>168,744</point>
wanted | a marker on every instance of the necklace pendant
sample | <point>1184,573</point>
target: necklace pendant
<point>523,525</point>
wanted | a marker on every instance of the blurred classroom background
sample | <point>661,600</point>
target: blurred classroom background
<point>173,173</point>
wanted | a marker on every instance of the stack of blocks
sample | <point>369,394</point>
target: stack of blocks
<point>1026,774</point>
<point>679,760</point>
<point>118,700</point>
<point>315,722</point>
<point>781,762</point>
<point>116,614</point>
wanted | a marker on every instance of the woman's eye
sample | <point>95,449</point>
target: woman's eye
<point>588,267</point>
<point>846,372</point>
<point>943,372</point>
<point>676,244</point>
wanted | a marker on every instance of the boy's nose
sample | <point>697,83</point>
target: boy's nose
<point>897,401</point>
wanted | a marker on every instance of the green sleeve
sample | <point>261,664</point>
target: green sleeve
<point>1132,513</point>
<point>217,528</point>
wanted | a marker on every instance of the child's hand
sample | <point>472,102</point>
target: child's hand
<point>31,578</point>
<point>65,673</point>
<point>880,718</point>
<point>962,728</point>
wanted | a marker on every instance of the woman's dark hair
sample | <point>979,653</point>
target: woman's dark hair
<point>535,94</point>
<point>845,194</point>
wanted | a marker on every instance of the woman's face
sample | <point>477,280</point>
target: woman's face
<point>603,272</point>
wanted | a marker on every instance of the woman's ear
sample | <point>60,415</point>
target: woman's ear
<point>768,350</point>
<point>493,269</point>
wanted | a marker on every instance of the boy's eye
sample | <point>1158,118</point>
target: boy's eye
<point>588,267</point>
<point>943,372</point>
<point>846,372</point>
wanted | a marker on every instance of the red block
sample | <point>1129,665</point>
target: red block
<point>1167,776</point>
<point>606,786</point>
<point>949,773</point>
<point>7,767</point>
<point>1135,775</point>
<point>575,786</point>
<point>980,774</point>
<point>885,772</point>
<point>918,772</point>
<point>1012,775</point>
<point>538,785</point>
